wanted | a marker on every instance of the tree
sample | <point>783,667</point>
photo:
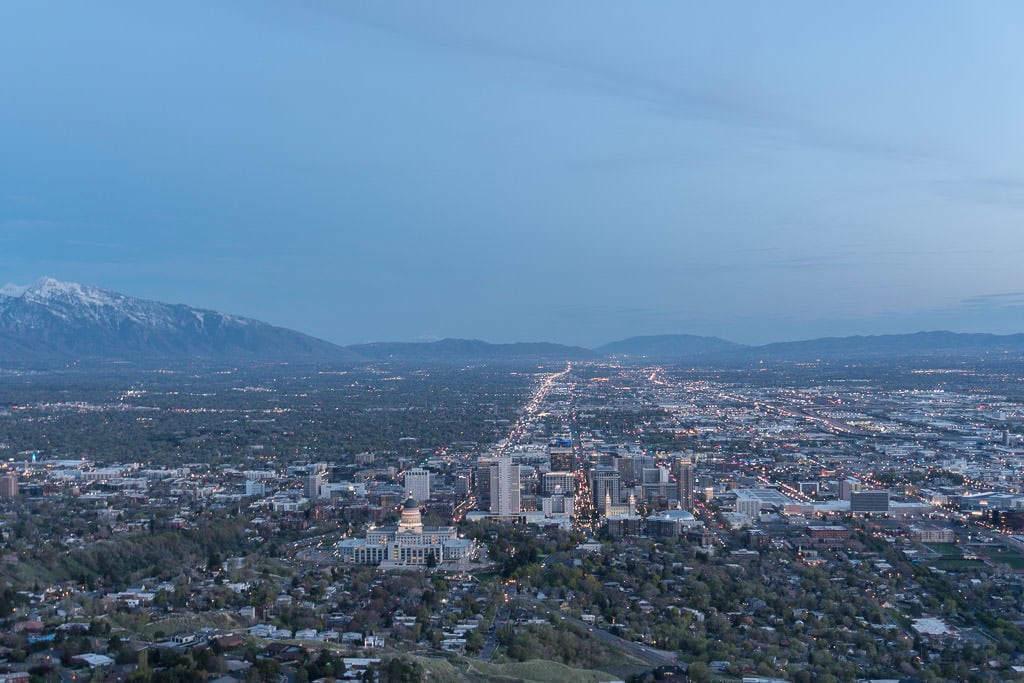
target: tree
<point>474,642</point>
<point>400,671</point>
<point>213,563</point>
<point>698,672</point>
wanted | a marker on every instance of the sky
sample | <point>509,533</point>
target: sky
<point>575,172</point>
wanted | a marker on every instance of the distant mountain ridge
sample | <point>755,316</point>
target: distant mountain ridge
<point>53,320</point>
<point>689,348</point>
<point>936,343</point>
<point>57,322</point>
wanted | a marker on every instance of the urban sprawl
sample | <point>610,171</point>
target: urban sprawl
<point>802,522</point>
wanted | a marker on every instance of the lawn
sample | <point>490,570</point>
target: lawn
<point>955,564</point>
<point>1010,559</point>
<point>438,670</point>
<point>945,549</point>
<point>537,671</point>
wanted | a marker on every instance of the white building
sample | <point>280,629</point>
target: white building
<point>255,488</point>
<point>417,484</point>
<point>505,488</point>
<point>409,543</point>
<point>750,502</point>
<point>557,505</point>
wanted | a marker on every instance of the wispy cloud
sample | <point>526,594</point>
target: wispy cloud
<point>1000,301</point>
<point>719,106</point>
<point>1001,313</point>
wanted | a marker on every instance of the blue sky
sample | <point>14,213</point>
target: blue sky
<point>572,171</point>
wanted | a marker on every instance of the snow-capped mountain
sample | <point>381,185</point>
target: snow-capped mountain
<point>54,320</point>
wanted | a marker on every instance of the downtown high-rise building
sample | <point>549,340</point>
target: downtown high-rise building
<point>312,484</point>
<point>504,488</point>
<point>655,484</point>
<point>482,482</point>
<point>640,463</point>
<point>561,458</point>
<point>605,487</point>
<point>417,484</point>
<point>558,483</point>
<point>685,483</point>
<point>626,467</point>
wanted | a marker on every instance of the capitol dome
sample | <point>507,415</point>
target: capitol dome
<point>412,520</point>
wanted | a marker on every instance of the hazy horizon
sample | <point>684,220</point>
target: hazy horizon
<point>17,289</point>
<point>577,173</point>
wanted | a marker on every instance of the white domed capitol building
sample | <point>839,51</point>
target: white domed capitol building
<point>408,544</point>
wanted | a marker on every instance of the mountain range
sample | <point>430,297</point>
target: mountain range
<point>60,321</point>
<point>52,322</point>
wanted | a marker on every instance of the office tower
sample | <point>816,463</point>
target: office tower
<point>655,486</point>
<point>747,503</point>
<point>626,469</point>
<point>462,483</point>
<point>482,483</point>
<point>417,484</point>
<point>312,484</point>
<point>483,487</point>
<point>529,485</point>
<point>684,481</point>
<point>605,486</point>
<point>558,482</point>
<point>641,463</point>
<point>561,458</point>
<point>505,488</point>
<point>653,475</point>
